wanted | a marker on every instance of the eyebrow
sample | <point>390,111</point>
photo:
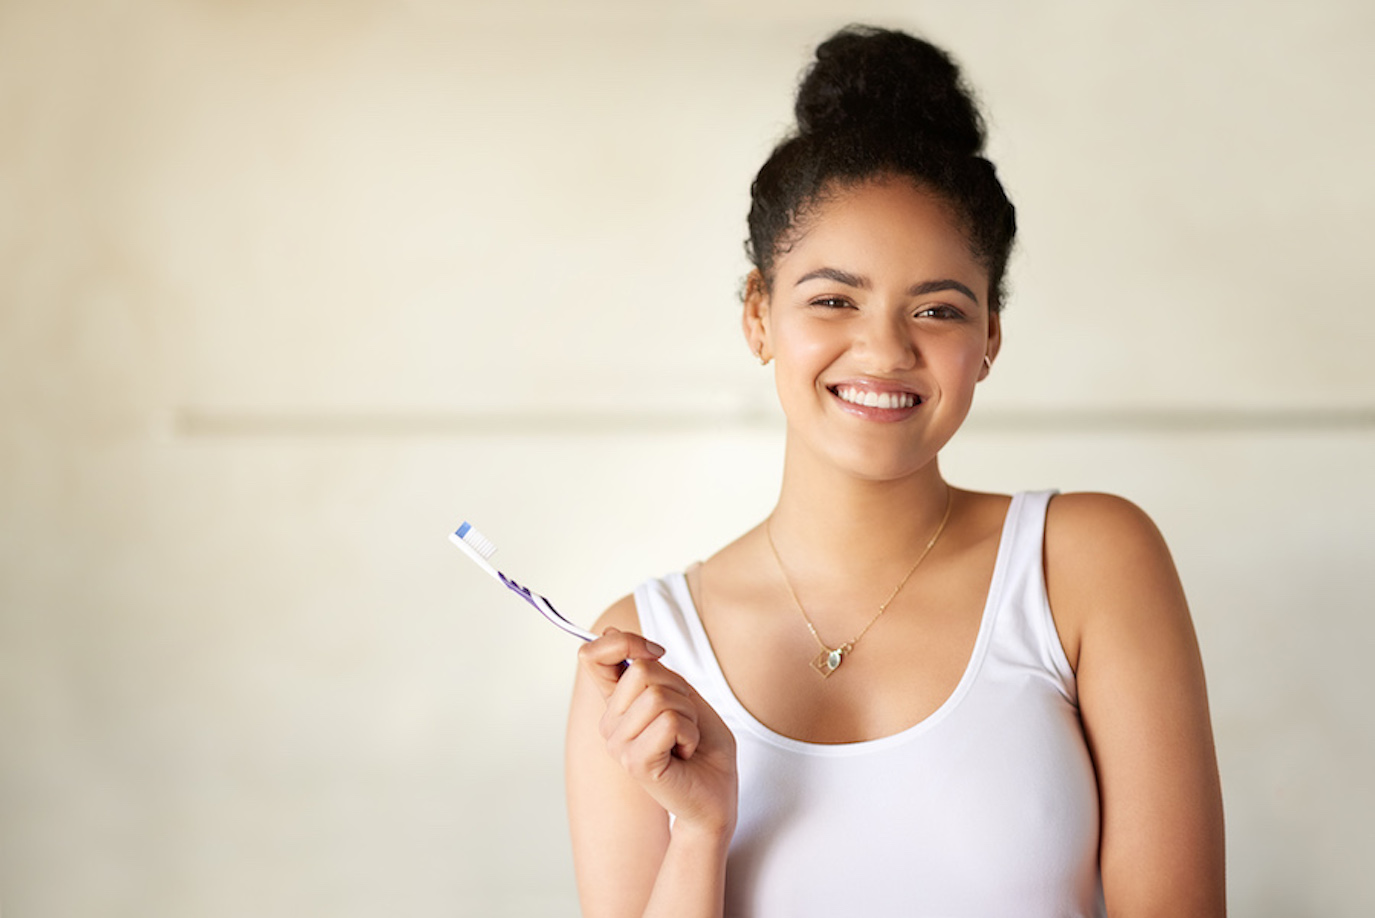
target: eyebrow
<point>862,283</point>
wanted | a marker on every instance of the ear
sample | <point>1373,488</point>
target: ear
<point>995,342</point>
<point>754,320</point>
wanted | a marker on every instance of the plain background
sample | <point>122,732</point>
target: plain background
<point>290,288</point>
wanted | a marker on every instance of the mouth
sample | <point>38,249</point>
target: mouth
<point>885,399</point>
<point>874,401</point>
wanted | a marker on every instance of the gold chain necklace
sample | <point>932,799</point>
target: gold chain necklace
<point>830,658</point>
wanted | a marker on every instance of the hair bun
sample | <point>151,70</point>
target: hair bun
<point>869,80</point>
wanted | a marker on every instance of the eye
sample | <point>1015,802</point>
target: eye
<point>832,302</point>
<point>939,311</point>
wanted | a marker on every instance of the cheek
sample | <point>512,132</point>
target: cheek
<point>964,353</point>
<point>969,362</point>
<point>956,363</point>
<point>806,346</point>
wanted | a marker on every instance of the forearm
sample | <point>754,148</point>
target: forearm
<point>647,747</point>
<point>692,878</point>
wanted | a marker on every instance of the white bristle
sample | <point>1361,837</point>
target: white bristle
<point>480,543</point>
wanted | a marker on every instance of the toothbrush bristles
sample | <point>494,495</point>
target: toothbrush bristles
<point>479,543</point>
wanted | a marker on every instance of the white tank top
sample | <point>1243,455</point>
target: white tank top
<point>988,807</point>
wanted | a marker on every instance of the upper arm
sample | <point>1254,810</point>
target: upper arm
<point>1122,613</point>
<point>619,833</point>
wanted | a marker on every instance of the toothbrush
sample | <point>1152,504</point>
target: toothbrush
<point>478,547</point>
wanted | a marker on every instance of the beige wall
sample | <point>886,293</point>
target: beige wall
<point>287,289</point>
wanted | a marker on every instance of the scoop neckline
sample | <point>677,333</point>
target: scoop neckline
<point>736,712</point>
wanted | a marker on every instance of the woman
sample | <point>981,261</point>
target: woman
<point>893,696</point>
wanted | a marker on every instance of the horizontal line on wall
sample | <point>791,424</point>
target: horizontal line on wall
<point>191,423</point>
<point>1179,420</point>
<point>201,423</point>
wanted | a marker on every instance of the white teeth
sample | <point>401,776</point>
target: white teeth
<point>871,399</point>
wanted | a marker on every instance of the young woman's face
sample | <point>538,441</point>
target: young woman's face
<point>878,320</point>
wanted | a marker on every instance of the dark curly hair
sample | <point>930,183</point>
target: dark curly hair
<point>880,102</point>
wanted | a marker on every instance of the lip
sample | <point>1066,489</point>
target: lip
<point>880,387</point>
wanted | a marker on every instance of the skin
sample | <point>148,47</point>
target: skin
<point>879,292</point>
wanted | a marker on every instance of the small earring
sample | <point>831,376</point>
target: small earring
<point>763,361</point>
<point>988,364</point>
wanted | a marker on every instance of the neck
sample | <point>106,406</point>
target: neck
<point>828,520</point>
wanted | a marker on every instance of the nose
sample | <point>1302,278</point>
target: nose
<point>886,340</point>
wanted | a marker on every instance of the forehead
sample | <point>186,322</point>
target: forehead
<point>882,227</point>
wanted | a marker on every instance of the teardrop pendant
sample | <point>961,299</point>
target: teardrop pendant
<point>828,661</point>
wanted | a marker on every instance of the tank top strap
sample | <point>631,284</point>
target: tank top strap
<point>1025,632</point>
<point>669,618</point>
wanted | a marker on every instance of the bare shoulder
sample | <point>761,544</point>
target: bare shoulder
<point>1100,535</point>
<point>1104,558</point>
<point>1084,518</point>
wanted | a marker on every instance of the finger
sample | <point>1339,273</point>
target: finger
<point>639,675</point>
<point>636,647</point>
<point>615,647</point>
<point>675,732</point>
<point>634,709</point>
<point>627,715</point>
<point>604,659</point>
<point>648,754</point>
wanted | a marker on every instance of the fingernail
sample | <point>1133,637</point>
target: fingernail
<point>654,648</point>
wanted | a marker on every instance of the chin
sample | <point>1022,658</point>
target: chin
<point>881,466</point>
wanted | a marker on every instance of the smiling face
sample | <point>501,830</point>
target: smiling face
<point>878,319</point>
